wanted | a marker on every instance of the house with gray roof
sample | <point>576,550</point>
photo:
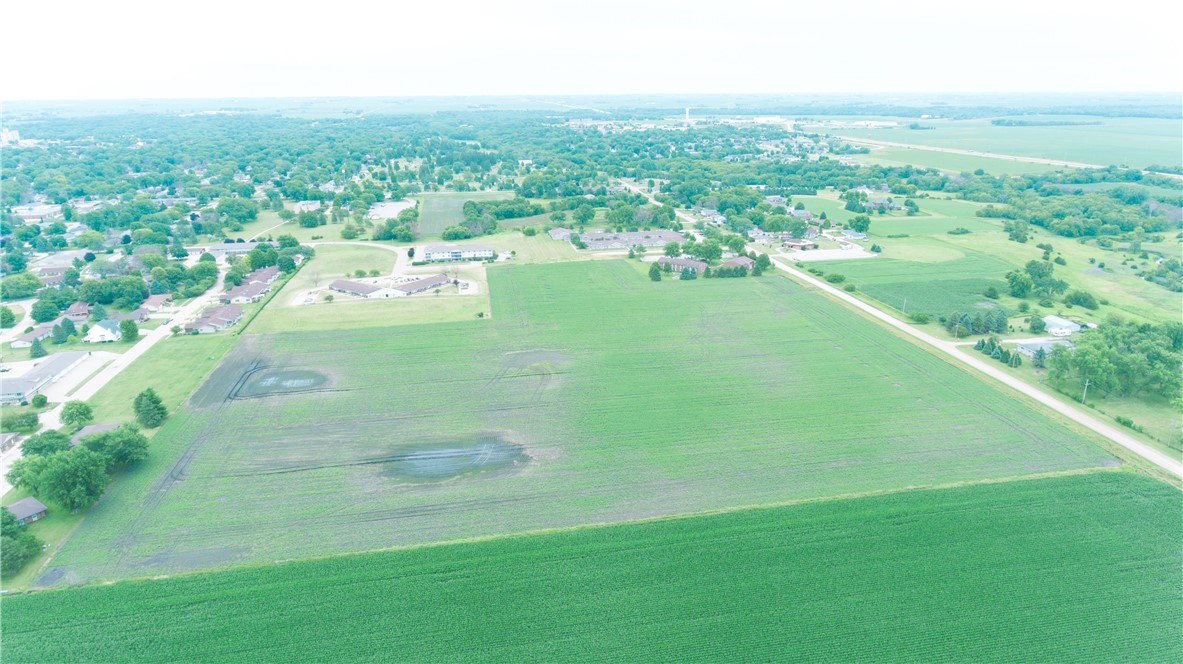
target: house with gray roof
<point>679,264</point>
<point>1060,327</point>
<point>28,510</point>
<point>1031,348</point>
<point>360,289</point>
<point>420,285</point>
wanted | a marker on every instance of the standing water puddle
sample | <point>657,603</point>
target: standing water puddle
<point>430,462</point>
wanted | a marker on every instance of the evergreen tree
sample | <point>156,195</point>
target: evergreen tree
<point>37,350</point>
<point>59,335</point>
<point>655,272</point>
<point>149,409</point>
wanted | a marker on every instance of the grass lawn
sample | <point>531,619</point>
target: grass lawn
<point>437,211</point>
<point>173,367</point>
<point>680,403</point>
<point>537,249</point>
<point>1025,571</point>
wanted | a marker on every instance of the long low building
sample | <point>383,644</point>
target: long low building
<point>458,252</point>
<point>420,285</point>
<point>679,264</point>
<point>215,319</point>
<point>359,289</point>
<point>658,238</point>
<point>1032,348</point>
<point>39,333</point>
<point>49,370</point>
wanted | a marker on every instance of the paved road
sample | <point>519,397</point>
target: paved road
<point>51,419</point>
<point>996,372</point>
<point>988,368</point>
<point>991,155</point>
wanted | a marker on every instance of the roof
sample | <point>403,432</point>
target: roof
<point>261,274</point>
<point>109,325</point>
<point>37,333</point>
<point>78,308</point>
<point>1047,346</point>
<point>26,507</point>
<point>1056,321</point>
<point>55,363</point>
<point>740,261</point>
<point>91,430</point>
<point>444,248</point>
<point>355,287</point>
<point>422,284</point>
<point>158,299</point>
<point>683,263</point>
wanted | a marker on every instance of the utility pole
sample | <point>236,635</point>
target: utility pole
<point>905,309</point>
<point>1086,390</point>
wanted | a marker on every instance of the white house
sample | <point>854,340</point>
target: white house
<point>457,252</point>
<point>102,332</point>
<point>1059,327</point>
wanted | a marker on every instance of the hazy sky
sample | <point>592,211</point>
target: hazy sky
<point>219,48</point>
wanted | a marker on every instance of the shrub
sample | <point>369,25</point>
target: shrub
<point>835,278</point>
<point>849,288</point>
<point>39,400</point>
<point>529,231</point>
<point>1081,298</point>
<point>26,422</point>
<point>920,317</point>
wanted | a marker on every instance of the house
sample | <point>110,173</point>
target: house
<point>48,370</point>
<point>51,271</point>
<point>608,240</point>
<point>215,319</point>
<point>91,430</point>
<point>39,333</point>
<point>139,315</point>
<point>154,302</point>
<point>420,285</point>
<point>1030,348</point>
<point>776,201</point>
<point>27,510</point>
<point>1059,327</point>
<point>853,235</point>
<point>232,248</point>
<point>245,294</point>
<point>263,275</point>
<point>78,312</point>
<point>102,332</point>
<point>811,233</point>
<point>307,206</point>
<point>803,215</point>
<point>883,204</point>
<point>679,264</point>
<point>801,245</point>
<point>740,261</point>
<point>359,289</point>
<point>563,234</point>
<point>52,282</point>
<point>457,252</point>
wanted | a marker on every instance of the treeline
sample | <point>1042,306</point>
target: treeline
<point>1124,359</point>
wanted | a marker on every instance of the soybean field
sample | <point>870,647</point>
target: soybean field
<point>1065,569</point>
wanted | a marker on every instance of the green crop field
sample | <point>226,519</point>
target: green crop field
<point>697,396</point>
<point>945,161</point>
<point>1082,568</point>
<point>437,211</point>
<point>1136,142</point>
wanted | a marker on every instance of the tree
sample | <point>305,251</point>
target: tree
<point>584,214</point>
<point>43,310</point>
<point>328,297</point>
<point>1040,359</point>
<point>1019,284</point>
<point>37,350</point>
<point>58,335</point>
<point>7,318</point>
<point>128,330</point>
<point>654,272</point>
<point>688,274</point>
<point>45,443</point>
<point>120,446</point>
<point>1037,325</point>
<point>149,409</point>
<point>98,313</point>
<point>76,413</point>
<point>73,479</point>
<point>39,400</point>
<point>18,546</point>
<point>860,223</point>
<point>672,249</point>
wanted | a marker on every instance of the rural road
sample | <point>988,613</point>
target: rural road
<point>51,418</point>
<point>991,155</point>
<point>992,370</point>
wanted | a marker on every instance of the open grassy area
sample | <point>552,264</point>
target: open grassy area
<point>1136,142</point>
<point>1080,568</point>
<point>437,211</point>
<point>699,395</point>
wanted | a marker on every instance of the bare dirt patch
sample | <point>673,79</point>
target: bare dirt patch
<point>442,460</point>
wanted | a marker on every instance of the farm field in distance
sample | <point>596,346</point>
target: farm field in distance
<point>1135,142</point>
<point>543,417</point>
<point>437,211</point>
<point>945,161</point>
<point>1070,568</point>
